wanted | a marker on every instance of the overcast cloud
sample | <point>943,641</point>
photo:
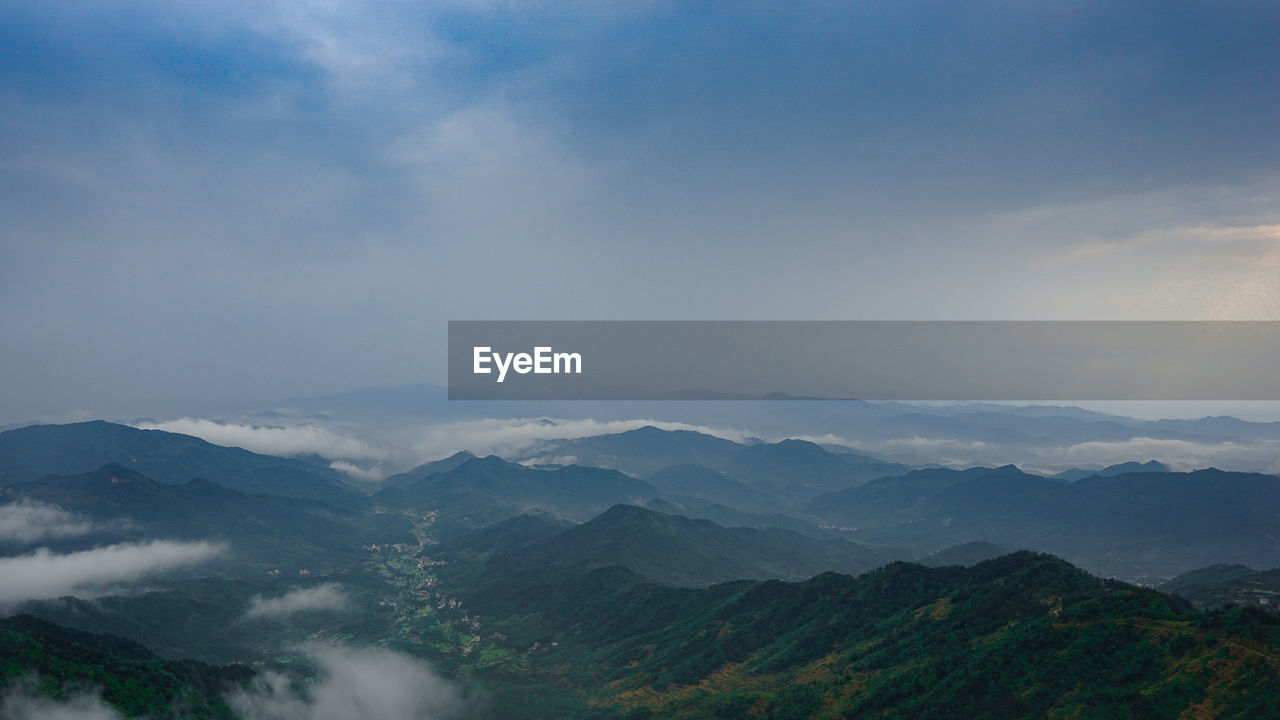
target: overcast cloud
<point>211,206</point>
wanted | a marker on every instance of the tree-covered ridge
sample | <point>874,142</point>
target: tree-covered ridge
<point>1228,586</point>
<point>1024,635</point>
<point>264,531</point>
<point>62,662</point>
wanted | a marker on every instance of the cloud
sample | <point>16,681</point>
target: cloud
<point>23,703</point>
<point>1181,455</point>
<point>42,574</point>
<point>280,441</point>
<point>402,447</point>
<point>372,684</point>
<point>28,521</point>
<point>516,437</point>
<point>329,596</point>
<point>372,474</point>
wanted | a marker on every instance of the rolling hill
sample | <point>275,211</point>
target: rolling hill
<point>679,551</point>
<point>483,491</point>
<point>264,530</point>
<point>1020,636</point>
<point>1139,524</point>
<point>35,451</point>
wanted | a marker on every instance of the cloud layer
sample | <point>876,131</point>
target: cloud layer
<point>28,521</point>
<point>268,440</point>
<point>372,684</point>
<point>43,574</point>
<point>214,205</point>
<point>22,703</point>
<point>329,596</point>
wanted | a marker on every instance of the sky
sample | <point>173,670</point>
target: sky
<point>218,204</point>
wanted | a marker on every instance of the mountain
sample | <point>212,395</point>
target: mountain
<point>1138,525</point>
<point>485,490</point>
<point>34,451</point>
<point>729,517</point>
<point>1020,636</point>
<point>891,507</point>
<point>642,451</point>
<point>1227,586</point>
<point>264,530</point>
<point>792,470</point>
<point>675,550</point>
<point>426,470</point>
<point>698,481</point>
<point>1125,468</point>
<point>129,677</point>
<point>801,469</point>
<point>510,534</point>
<point>1220,573</point>
<point>204,617</point>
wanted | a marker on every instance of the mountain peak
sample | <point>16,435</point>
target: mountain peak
<point>118,474</point>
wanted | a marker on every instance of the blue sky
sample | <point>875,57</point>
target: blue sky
<point>239,202</point>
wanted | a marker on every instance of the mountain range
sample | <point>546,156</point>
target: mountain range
<point>32,452</point>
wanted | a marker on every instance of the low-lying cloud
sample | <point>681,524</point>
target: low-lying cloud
<point>282,441</point>
<point>1043,457</point>
<point>400,448</point>
<point>24,703</point>
<point>371,684</point>
<point>1180,455</point>
<point>43,575</point>
<point>519,438</point>
<point>28,521</point>
<point>329,596</point>
<point>372,474</point>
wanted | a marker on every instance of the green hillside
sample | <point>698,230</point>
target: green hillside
<point>1023,636</point>
<point>130,679</point>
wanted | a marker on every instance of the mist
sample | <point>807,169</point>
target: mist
<point>27,521</point>
<point>371,684</point>
<point>329,596</point>
<point>44,575</point>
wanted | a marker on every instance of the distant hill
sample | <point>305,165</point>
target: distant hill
<point>675,550</point>
<point>486,490</point>
<point>1125,468</point>
<point>1219,573</point>
<point>1139,524</point>
<point>643,451</point>
<point>800,469</point>
<point>426,470</point>
<point>728,517</point>
<point>1225,586</point>
<point>35,451</point>
<point>790,470</point>
<point>510,534</point>
<point>264,530</point>
<point>712,485</point>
